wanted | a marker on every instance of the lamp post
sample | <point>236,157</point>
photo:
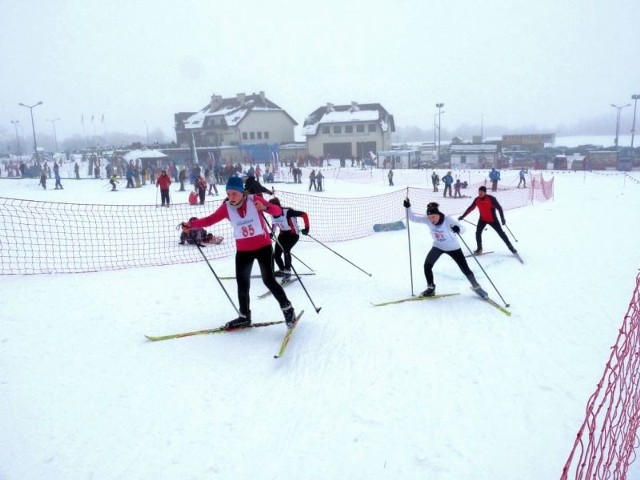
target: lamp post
<point>15,124</point>
<point>439,107</point>
<point>633,127</point>
<point>618,107</point>
<point>55,136</point>
<point>147,127</point>
<point>33,127</point>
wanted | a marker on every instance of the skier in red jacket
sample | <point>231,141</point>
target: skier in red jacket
<point>487,206</point>
<point>253,242</point>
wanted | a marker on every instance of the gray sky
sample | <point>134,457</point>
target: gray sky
<point>510,62</point>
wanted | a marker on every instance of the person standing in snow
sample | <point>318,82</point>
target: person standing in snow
<point>444,230</point>
<point>319,179</point>
<point>494,176</point>
<point>487,206</point>
<point>523,179</point>
<point>448,181</point>
<point>253,242</point>
<point>288,236</point>
<point>56,174</point>
<point>435,180</point>
<point>312,180</point>
<point>163,182</point>
<point>390,177</point>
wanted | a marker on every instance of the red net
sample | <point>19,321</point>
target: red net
<point>604,446</point>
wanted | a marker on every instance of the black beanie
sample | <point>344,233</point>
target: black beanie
<point>433,211</point>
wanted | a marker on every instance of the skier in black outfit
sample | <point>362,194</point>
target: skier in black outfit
<point>487,206</point>
<point>253,187</point>
<point>288,237</point>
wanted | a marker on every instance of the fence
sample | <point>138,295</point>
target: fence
<point>604,445</point>
<point>44,237</point>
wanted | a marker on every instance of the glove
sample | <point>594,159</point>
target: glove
<point>504,222</point>
<point>406,203</point>
<point>456,229</point>
<point>460,218</point>
<point>305,231</point>
<point>185,227</point>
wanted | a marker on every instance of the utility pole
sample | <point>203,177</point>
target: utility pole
<point>55,136</point>
<point>15,124</point>
<point>439,107</point>
<point>35,145</point>
<point>633,127</point>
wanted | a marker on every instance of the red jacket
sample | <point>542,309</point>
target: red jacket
<point>242,244</point>
<point>164,181</point>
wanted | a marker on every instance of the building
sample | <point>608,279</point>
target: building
<point>473,155</point>
<point>347,131</point>
<point>252,123</point>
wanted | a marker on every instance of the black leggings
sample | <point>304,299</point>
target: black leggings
<point>434,255</point>
<point>287,240</point>
<point>244,264</point>
<point>496,226</point>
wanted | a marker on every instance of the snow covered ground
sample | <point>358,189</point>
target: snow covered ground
<point>438,389</point>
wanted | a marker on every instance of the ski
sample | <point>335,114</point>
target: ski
<point>414,299</point>
<point>222,329</point>
<point>260,276</point>
<point>284,283</point>
<point>287,337</point>
<point>498,306</point>
<point>478,254</point>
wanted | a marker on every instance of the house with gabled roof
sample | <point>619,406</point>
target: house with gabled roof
<point>348,131</point>
<point>243,120</point>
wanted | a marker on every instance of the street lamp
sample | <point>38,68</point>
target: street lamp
<point>33,127</point>
<point>439,107</point>
<point>618,107</point>
<point>633,127</point>
<point>55,136</point>
<point>15,124</point>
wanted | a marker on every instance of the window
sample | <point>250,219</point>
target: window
<point>266,135</point>
<point>348,129</point>
<point>337,129</point>
<point>259,135</point>
<point>371,127</point>
<point>360,128</point>
<point>325,129</point>
<point>244,135</point>
<point>252,135</point>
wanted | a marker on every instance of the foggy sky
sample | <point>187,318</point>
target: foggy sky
<point>510,62</point>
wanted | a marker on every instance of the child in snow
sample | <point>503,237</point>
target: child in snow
<point>198,236</point>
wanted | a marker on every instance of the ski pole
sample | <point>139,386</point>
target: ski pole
<point>345,259</point>
<point>465,220</point>
<point>317,309</point>
<point>217,278</point>
<point>409,239</point>
<point>157,188</point>
<point>483,270</point>
<point>509,230</point>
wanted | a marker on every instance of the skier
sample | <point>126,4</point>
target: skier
<point>253,242</point>
<point>253,187</point>
<point>487,206</point>
<point>435,180</point>
<point>163,182</point>
<point>448,181</point>
<point>390,177</point>
<point>443,230</point>
<point>312,180</point>
<point>319,179</point>
<point>113,180</point>
<point>288,236</point>
<point>201,188</point>
<point>523,179</point>
<point>43,179</point>
<point>56,174</point>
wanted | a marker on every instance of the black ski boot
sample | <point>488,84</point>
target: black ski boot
<point>475,286</point>
<point>429,292</point>
<point>289,315</point>
<point>243,321</point>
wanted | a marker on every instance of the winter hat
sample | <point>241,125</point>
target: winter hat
<point>432,209</point>
<point>235,183</point>
<point>483,188</point>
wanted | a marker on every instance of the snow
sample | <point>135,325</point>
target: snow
<point>438,389</point>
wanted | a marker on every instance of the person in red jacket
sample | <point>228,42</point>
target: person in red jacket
<point>288,237</point>
<point>163,182</point>
<point>253,242</point>
<point>487,206</point>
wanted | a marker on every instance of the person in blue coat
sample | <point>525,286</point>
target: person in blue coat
<point>494,176</point>
<point>448,181</point>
